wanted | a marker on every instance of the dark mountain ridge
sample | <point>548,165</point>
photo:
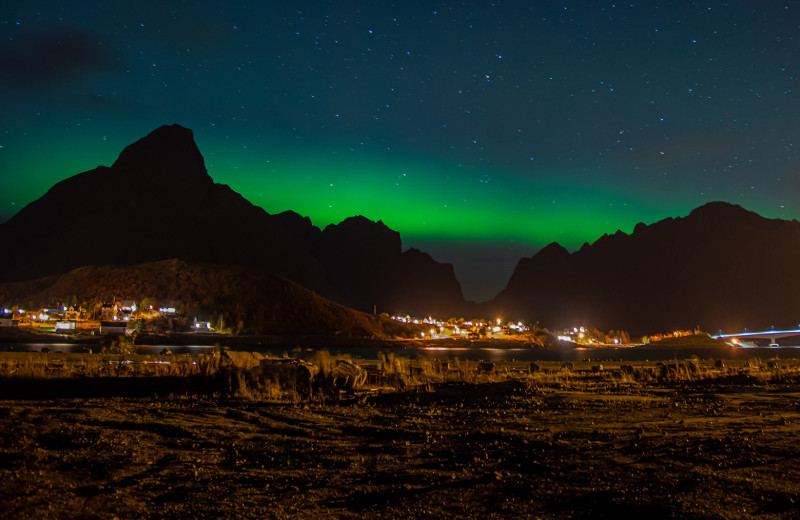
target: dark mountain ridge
<point>157,202</point>
<point>720,267</point>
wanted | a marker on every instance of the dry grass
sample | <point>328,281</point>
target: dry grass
<point>241,375</point>
<point>544,440</point>
<point>33,365</point>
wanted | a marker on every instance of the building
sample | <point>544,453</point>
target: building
<point>107,312</point>
<point>113,327</point>
<point>8,322</point>
<point>65,325</point>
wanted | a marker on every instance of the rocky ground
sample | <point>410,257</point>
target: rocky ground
<point>557,443</point>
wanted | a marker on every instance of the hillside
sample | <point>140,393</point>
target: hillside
<point>248,300</point>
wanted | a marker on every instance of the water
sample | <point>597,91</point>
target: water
<point>562,352</point>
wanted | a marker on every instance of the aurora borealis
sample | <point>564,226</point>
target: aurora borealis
<point>481,131</point>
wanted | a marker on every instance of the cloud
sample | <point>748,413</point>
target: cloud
<point>51,57</point>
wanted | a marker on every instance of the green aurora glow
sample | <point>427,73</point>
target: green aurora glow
<point>479,131</point>
<point>427,201</point>
<point>424,199</point>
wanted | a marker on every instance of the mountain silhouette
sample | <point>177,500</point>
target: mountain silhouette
<point>720,268</point>
<point>155,202</point>
<point>158,202</point>
<point>369,269</point>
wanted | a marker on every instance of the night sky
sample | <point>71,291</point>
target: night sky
<point>481,131</point>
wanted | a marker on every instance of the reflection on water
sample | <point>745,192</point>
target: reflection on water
<point>643,353</point>
<point>98,348</point>
<point>562,352</point>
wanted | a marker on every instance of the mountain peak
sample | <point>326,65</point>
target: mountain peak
<point>360,222</point>
<point>167,154</point>
<point>723,210</point>
<point>360,236</point>
<point>362,232</point>
<point>553,250</point>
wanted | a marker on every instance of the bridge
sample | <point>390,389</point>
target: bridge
<point>772,335</point>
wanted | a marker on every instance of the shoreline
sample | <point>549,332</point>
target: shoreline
<point>16,336</point>
<point>178,339</point>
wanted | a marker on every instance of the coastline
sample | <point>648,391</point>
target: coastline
<point>19,336</point>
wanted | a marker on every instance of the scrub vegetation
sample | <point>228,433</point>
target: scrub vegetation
<point>691,438</point>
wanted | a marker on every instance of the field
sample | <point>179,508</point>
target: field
<point>693,440</point>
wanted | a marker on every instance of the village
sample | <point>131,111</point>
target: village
<point>121,317</point>
<point>129,317</point>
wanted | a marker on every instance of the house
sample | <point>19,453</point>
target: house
<point>113,327</point>
<point>49,314</point>
<point>201,326</point>
<point>73,313</point>
<point>64,325</point>
<point>8,322</point>
<point>125,309</point>
<point>107,312</point>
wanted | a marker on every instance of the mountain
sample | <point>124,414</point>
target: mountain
<point>157,201</point>
<point>358,253</point>
<point>246,299</point>
<point>369,269</point>
<point>720,267</point>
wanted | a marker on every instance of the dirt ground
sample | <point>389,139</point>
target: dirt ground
<point>554,444</point>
